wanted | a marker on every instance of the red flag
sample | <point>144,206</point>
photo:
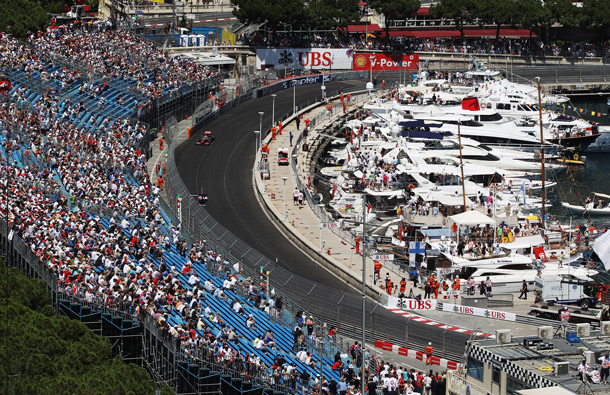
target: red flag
<point>470,103</point>
<point>334,189</point>
<point>368,208</point>
<point>539,253</point>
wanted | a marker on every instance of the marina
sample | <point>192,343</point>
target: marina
<point>409,161</point>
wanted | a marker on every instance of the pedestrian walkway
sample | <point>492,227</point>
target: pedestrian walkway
<point>156,163</point>
<point>301,221</point>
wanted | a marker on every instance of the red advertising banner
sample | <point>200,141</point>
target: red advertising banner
<point>385,62</point>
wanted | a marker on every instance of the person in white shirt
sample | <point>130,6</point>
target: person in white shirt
<point>392,385</point>
<point>250,323</point>
<point>428,384</point>
<point>194,279</point>
<point>237,307</point>
<point>583,368</point>
<point>386,384</point>
<point>594,376</point>
<point>302,355</point>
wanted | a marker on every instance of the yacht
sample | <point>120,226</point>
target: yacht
<point>515,263</point>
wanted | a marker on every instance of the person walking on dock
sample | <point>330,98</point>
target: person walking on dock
<point>523,294</point>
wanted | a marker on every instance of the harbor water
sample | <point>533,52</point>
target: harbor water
<point>576,183</point>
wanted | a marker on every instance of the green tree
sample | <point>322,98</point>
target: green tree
<point>596,15</point>
<point>533,15</point>
<point>18,17</point>
<point>564,12</point>
<point>331,14</point>
<point>499,13</point>
<point>273,13</point>
<point>461,11</point>
<point>394,9</point>
<point>47,353</point>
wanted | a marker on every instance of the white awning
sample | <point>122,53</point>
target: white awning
<point>472,218</point>
<point>524,242</point>
<point>394,193</point>
<point>444,199</point>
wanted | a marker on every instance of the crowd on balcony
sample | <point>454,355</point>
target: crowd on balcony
<point>358,41</point>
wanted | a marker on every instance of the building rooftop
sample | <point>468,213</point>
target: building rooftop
<point>536,365</point>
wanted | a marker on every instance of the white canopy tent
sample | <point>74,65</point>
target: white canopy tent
<point>470,218</point>
<point>602,249</point>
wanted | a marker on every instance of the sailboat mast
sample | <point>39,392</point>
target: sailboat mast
<point>462,165</point>
<point>541,155</point>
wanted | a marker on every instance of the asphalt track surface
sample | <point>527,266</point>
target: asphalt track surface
<point>224,171</point>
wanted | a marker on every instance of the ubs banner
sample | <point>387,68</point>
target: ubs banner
<point>411,304</point>
<point>385,62</point>
<point>304,58</point>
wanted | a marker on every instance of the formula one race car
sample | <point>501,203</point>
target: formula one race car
<point>206,139</point>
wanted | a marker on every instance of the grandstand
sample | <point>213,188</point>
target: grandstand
<point>86,219</point>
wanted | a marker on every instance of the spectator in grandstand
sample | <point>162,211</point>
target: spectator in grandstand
<point>251,322</point>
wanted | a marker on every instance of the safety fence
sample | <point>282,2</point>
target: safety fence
<point>329,306</point>
<point>171,360</point>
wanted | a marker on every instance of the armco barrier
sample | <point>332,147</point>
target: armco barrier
<point>326,304</point>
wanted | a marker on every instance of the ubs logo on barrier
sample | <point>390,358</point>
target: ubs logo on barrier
<point>285,58</point>
<point>413,304</point>
<point>315,59</point>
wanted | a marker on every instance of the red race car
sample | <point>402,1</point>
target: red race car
<point>206,139</point>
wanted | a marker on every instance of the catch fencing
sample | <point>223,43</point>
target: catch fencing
<point>329,306</point>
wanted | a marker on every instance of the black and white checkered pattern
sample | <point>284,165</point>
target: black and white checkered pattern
<point>530,377</point>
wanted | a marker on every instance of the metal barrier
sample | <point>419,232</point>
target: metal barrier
<point>330,306</point>
<point>500,300</point>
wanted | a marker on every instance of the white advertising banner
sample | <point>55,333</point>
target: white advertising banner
<point>411,304</point>
<point>383,257</point>
<point>498,315</point>
<point>304,58</point>
<point>442,272</point>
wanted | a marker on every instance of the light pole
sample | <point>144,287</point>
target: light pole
<point>256,134</point>
<point>261,129</point>
<point>273,111</point>
<point>323,87</point>
<point>284,179</point>
<point>362,381</point>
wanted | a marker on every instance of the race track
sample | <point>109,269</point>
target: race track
<point>224,171</point>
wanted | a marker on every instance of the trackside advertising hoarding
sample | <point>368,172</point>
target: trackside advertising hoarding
<point>410,304</point>
<point>313,79</point>
<point>305,58</point>
<point>385,62</point>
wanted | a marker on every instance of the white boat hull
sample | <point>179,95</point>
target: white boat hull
<point>582,210</point>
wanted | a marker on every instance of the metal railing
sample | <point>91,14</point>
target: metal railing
<point>299,294</point>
